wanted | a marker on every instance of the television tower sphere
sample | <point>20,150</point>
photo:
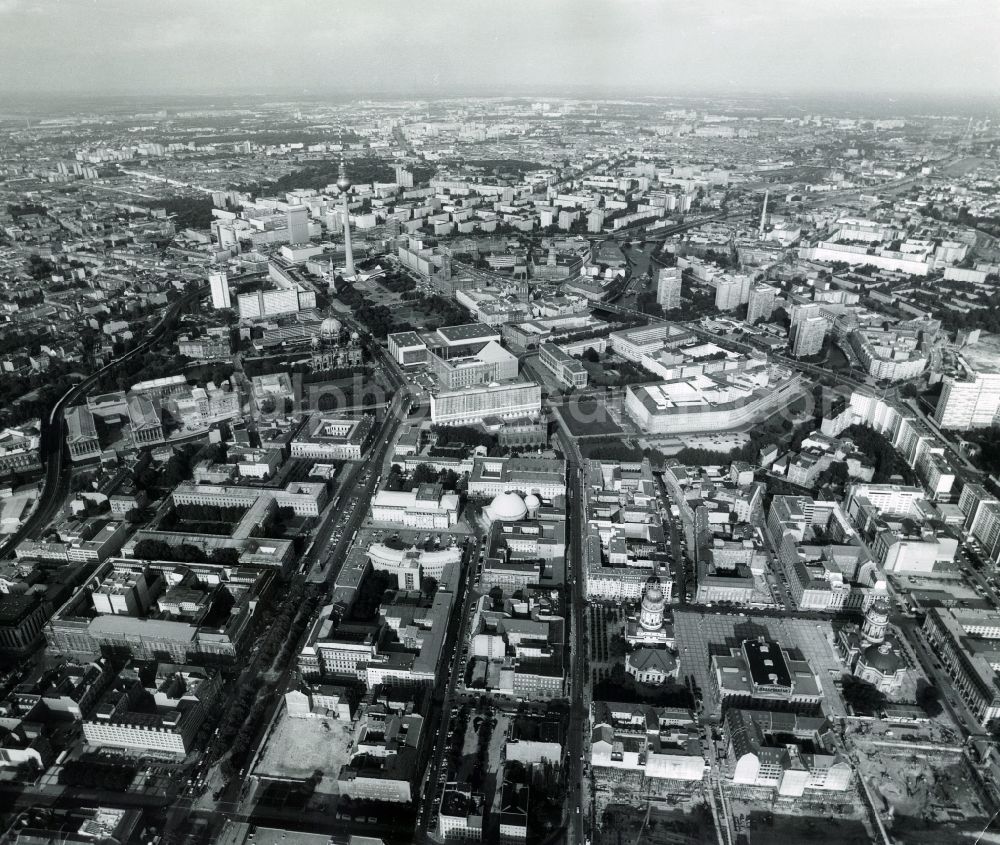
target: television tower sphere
<point>343,183</point>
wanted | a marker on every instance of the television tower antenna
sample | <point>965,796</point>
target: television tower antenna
<point>344,185</point>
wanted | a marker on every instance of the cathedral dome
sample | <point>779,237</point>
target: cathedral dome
<point>508,507</point>
<point>653,604</point>
<point>883,657</point>
<point>330,327</point>
<point>654,592</point>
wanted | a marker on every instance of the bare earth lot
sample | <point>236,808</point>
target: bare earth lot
<point>297,748</point>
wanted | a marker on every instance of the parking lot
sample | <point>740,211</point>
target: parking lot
<point>706,633</point>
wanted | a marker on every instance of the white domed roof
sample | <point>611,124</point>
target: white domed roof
<point>654,592</point>
<point>508,506</point>
<point>330,326</point>
<point>532,502</point>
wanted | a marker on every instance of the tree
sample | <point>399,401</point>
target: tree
<point>864,698</point>
<point>424,474</point>
<point>835,474</point>
<point>617,647</point>
<point>590,354</point>
<point>929,698</point>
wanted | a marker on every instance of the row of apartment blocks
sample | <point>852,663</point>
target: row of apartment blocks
<point>923,450</point>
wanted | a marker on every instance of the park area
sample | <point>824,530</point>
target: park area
<point>588,418</point>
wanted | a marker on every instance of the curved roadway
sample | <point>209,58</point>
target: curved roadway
<point>53,454</point>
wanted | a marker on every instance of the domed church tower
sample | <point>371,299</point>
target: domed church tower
<point>653,603</point>
<point>876,621</point>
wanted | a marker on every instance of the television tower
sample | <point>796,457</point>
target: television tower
<point>344,185</point>
<point>763,217</point>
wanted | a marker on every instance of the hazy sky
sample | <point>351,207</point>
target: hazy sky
<point>437,47</point>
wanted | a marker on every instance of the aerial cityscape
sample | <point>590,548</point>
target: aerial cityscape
<point>557,423</point>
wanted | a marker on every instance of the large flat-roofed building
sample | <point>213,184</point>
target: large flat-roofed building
<point>914,263</point>
<point>425,507</point>
<point>489,364</point>
<point>562,365</point>
<point>644,340</point>
<point>81,434</point>
<point>761,670</point>
<point>967,642</point>
<point>410,565</point>
<point>159,388</point>
<point>219,284</point>
<point>715,402</point>
<point>469,406</point>
<point>267,303</point>
<point>461,340</point>
<point>337,650</point>
<point>21,620</point>
<point>288,296</point>
<point>164,717</point>
<point>460,818</point>
<point>326,437</point>
<point>407,348</point>
<point>194,614</point>
<point>970,397</point>
<point>305,498</point>
<point>543,477</point>
<point>727,292</point>
<point>888,499</point>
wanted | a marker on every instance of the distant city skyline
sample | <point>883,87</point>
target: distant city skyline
<point>905,47</point>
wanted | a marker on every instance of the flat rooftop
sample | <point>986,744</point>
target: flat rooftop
<point>470,331</point>
<point>984,356</point>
